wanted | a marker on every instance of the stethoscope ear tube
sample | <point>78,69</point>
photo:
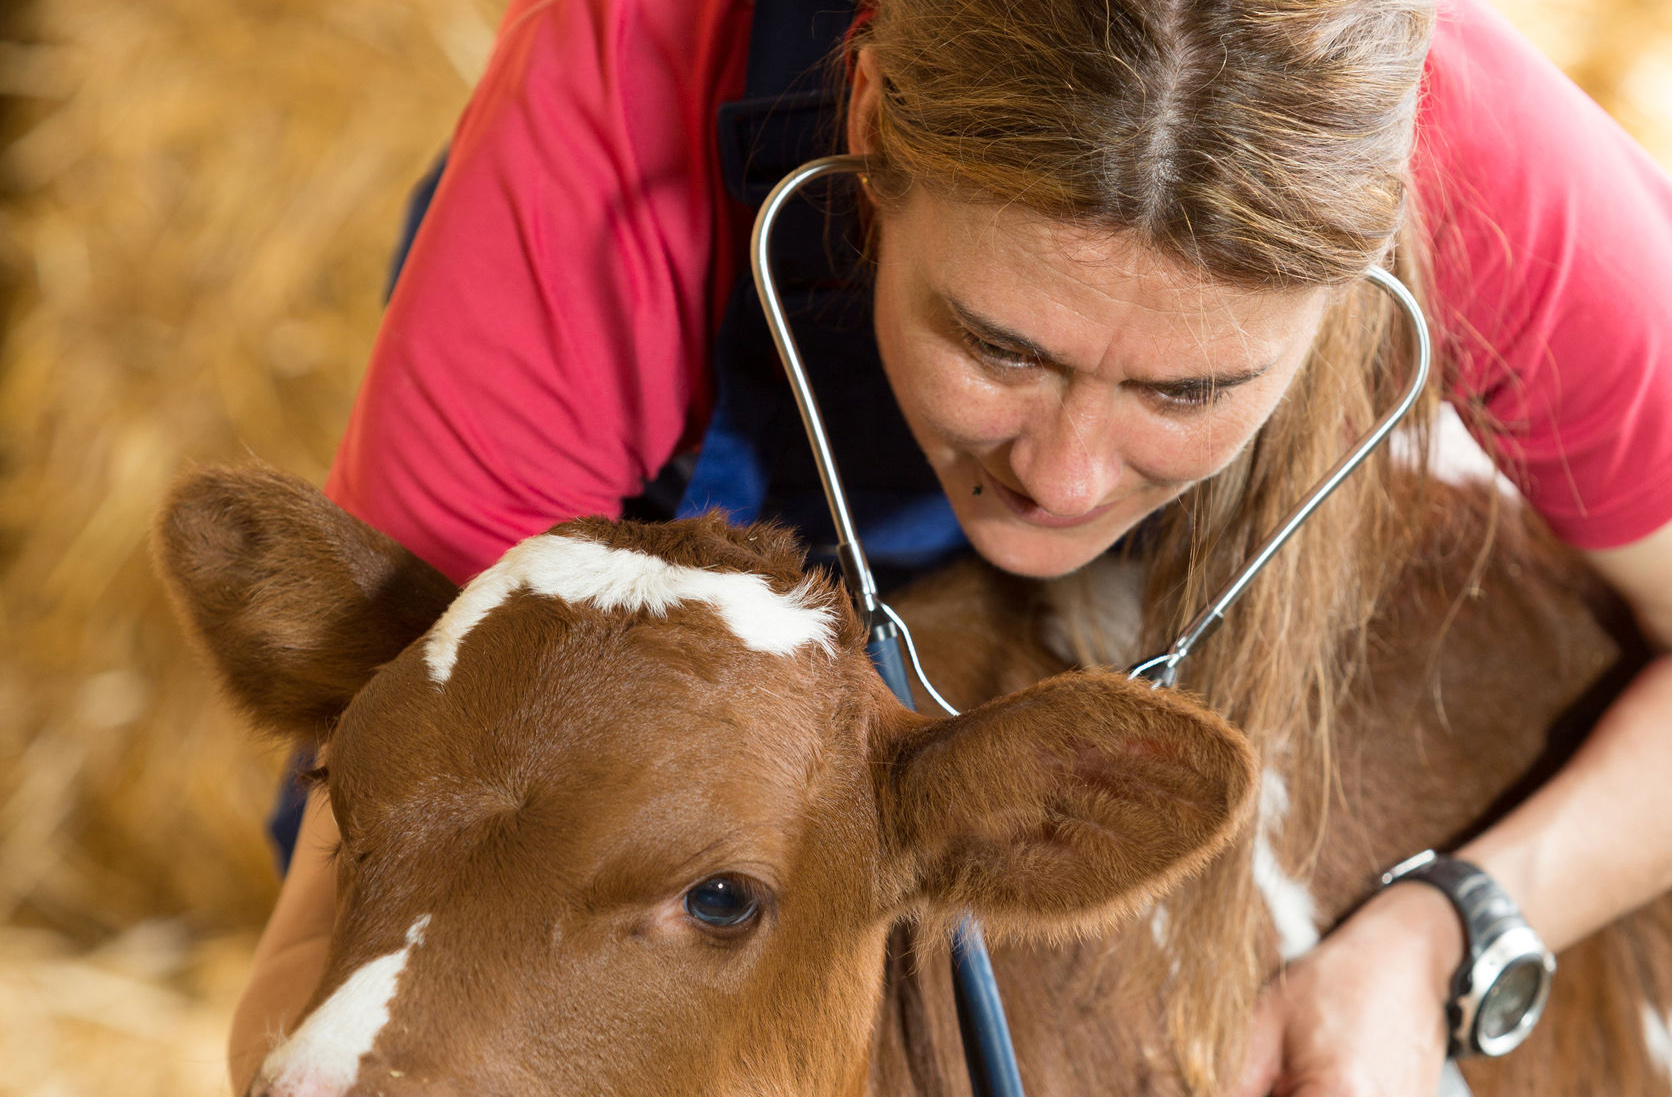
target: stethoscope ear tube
<point>856,572</point>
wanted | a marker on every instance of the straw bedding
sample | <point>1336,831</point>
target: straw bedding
<point>197,198</point>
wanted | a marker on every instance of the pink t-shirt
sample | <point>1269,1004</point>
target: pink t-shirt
<point>547,348</point>
<point>1552,237</point>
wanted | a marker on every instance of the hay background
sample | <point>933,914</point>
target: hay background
<point>197,201</point>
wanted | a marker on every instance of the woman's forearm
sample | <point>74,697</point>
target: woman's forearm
<point>1595,841</point>
<point>290,958</point>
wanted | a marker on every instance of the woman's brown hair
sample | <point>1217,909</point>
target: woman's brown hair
<point>1265,144</point>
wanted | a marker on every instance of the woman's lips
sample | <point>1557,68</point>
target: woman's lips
<point>1032,513</point>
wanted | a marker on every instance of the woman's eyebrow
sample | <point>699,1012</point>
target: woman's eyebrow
<point>998,334</point>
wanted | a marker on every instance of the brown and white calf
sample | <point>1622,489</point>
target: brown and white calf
<point>632,814</point>
<point>530,793</point>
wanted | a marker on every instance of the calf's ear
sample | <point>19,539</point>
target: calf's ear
<point>1063,807</point>
<point>296,602</point>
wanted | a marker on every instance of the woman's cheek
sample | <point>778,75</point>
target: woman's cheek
<point>1196,445</point>
<point>1177,450</point>
<point>946,402</point>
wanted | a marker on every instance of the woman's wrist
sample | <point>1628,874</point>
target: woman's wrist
<point>1417,924</point>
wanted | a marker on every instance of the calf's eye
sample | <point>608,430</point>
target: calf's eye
<point>723,902</point>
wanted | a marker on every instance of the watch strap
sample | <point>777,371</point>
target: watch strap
<point>1486,909</point>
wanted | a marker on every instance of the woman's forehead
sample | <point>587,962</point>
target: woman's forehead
<point>1064,285</point>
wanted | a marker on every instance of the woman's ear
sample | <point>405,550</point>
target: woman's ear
<point>864,97</point>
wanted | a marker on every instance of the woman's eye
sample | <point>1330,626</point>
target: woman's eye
<point>722,902</point>
<point>1195,394</point>
<point>992,354</point>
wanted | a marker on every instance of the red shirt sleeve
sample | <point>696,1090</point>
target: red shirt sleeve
<point>547,347</point>
<point>1552,247</point>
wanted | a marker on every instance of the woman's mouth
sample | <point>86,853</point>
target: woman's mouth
<point>1029,511</point>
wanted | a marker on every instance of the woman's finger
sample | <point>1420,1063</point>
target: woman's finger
<point>1262,1062</point>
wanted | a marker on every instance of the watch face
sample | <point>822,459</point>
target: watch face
<point>1507,1002</point>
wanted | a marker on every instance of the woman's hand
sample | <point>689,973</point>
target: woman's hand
<point>1364,1012</point>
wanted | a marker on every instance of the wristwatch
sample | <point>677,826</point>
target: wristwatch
<point>1502,984</point>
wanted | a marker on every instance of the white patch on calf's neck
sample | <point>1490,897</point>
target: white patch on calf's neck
<point>1158,926</point>
<point>578,570</point>
<point>1454,457</point>
<point>1292,910</point>
<point>322,1057</point>
<point>1452,1083</point>
<point>1657,1038</point>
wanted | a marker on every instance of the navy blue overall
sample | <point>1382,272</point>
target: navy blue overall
<point>755,461</point>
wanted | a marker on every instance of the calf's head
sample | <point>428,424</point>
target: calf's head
<point>632,813</point>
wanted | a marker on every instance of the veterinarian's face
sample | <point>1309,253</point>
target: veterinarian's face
<point>1064,382</point>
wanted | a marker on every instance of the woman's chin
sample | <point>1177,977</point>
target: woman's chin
<point>1037,553</point>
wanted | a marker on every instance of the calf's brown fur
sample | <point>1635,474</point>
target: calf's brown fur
<point>520,792</point>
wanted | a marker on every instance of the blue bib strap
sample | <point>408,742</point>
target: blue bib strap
<point>755,461</point>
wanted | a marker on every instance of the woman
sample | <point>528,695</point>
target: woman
<point>1119,258</point>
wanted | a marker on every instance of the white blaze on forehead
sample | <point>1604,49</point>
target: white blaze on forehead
<point>323,1056</point>
<point>578,570</point>
<point>1292,909</point>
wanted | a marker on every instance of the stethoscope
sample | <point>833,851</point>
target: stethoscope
<point>987,1046</point>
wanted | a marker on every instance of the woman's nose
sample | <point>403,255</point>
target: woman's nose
<point>1066,459</point>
